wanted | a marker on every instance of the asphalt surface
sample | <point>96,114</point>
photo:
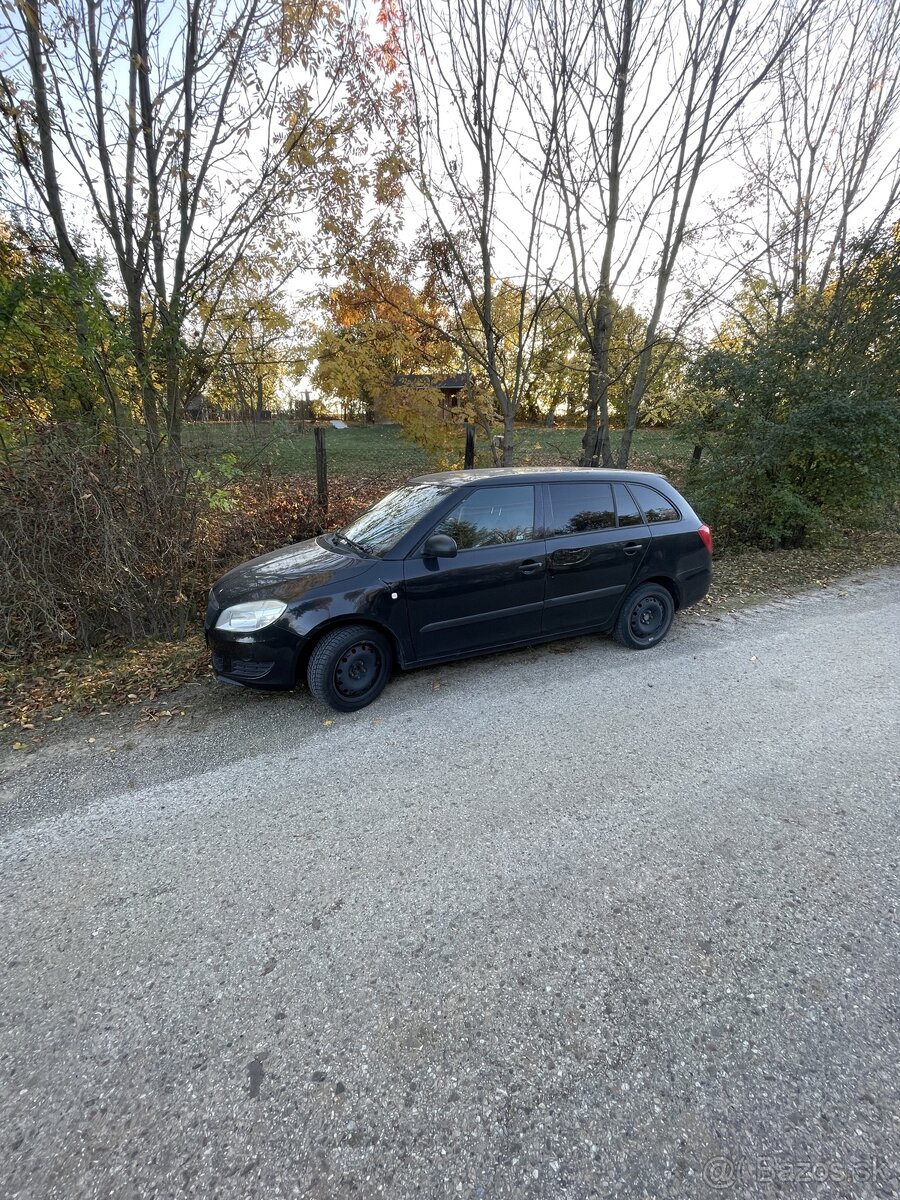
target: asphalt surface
<point>569,922</point>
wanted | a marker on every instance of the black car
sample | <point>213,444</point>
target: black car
<point>460,563</point>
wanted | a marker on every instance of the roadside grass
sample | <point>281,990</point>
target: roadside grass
<point>277,447</point>
<point>36,697</point>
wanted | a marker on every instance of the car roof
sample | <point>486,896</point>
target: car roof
<point>537,475</point>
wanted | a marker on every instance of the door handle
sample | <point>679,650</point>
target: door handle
<point>531,567</point>
<point>632,547</point>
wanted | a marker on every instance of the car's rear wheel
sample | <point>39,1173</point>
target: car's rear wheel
<point>349,667</point>
<point>645,617</point>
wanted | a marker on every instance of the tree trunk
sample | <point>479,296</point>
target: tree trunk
<point>639,389</point>
<point>634,405</point>
<point>149,399</point>
<point>592,420</point>
<point>174,404</point>
<point>595,447</point>
<point>509,436</point>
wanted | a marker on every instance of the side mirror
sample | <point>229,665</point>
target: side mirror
<point>439,545</point>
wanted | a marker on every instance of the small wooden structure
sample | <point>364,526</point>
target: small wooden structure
<point>453,389</point>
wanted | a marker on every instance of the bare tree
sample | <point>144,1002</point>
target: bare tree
<point>645,96</point>
<point>484,198</point>
<point>824,165</point>
<point>167,142</point>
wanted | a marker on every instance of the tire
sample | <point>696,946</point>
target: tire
<point>349,667</point>
<point>645,617</point>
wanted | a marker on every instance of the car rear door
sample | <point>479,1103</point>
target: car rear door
<point>593,552</point>
<point>492,592</point>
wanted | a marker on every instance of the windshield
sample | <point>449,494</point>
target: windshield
<point>382,527</point>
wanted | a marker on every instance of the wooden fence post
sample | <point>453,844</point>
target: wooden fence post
<point>469,461</point>
<point>321,468</point>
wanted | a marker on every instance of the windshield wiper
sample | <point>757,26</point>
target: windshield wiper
<point>342,537</point>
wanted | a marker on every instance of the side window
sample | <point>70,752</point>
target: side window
<point>580,508</point>
<point>656,507</point>
<point>491,516</point>
<point>629,513</point>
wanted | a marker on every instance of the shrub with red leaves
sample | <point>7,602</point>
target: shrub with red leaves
<point>257,515</point>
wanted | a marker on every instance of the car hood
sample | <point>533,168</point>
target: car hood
<point>287,573</point>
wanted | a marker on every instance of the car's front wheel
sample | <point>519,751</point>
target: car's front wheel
<point>646,617</point>
<point>349,667</point>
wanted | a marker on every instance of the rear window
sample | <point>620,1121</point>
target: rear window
<point>580,508</point>
<point>655,506</point>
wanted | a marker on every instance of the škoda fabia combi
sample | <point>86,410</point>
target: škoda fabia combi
<point>461,563</point>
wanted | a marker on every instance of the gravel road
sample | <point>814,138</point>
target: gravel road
<point>567,922</point>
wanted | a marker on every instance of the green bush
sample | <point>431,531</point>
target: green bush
<point>799,416</point>
<point>775,480</point>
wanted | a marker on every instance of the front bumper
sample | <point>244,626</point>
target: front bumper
<point>254,662</point>
<point>266,658</point>
<point>254,665</point>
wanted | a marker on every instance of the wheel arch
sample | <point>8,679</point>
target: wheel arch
<point>667,582</point>
<point>333,623</point>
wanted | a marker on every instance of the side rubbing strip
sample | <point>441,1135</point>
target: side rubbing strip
<point>498,614</point>
<point>579,597</point>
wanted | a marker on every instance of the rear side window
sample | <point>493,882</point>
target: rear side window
<point>655,506</point>
<point>580,508</point>
<point>629,513</point>
<point>491,516</point>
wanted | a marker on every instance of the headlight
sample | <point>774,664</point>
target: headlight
<point>244,618</point>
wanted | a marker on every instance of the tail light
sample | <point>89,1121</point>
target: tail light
<point>706,537</point>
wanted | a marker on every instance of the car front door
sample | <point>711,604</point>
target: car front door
<point>491,593</point>
<point>592,555</point>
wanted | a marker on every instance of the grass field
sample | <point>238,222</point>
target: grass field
<point>383,450</point>
<point>558,447</point>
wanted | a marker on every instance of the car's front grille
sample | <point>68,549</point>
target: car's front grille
<point>240,668</point>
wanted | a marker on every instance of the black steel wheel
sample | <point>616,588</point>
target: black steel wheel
<point>349,667</point>
<point>645,617</point>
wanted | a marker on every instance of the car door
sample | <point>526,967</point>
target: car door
<point>491,593</point>
<point>593,552</point>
